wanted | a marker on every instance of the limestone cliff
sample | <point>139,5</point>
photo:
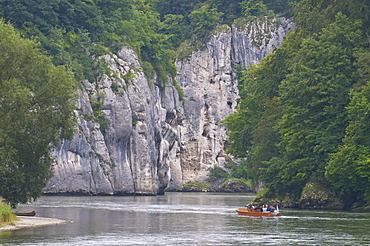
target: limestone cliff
<point>135,137</point>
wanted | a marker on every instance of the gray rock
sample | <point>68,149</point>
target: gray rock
<point>147,140</point>
<point>317,195</point>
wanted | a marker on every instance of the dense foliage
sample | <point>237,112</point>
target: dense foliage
<point>74,31</point>
<point>35,106</point>
<point>194,20</point>
<point>303,113</point>
<point>36,109</point>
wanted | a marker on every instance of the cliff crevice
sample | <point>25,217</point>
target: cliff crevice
<point>136,137</point>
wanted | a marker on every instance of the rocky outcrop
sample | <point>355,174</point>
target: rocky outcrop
<point>132,153</point>
<point>235,185</point>
<point>316,195</point>
<point>136,137</point>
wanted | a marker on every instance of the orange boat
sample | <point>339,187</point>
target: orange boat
<point>252,212</point>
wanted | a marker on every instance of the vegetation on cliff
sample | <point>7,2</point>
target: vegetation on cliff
<point>303,113</point>
<point>36,109</point>
<point>234,177</point>
<point>196,186</point>
<point>74,31</point>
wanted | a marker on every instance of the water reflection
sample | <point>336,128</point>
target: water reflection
<point>184,219</point>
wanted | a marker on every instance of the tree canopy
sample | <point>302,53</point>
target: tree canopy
<point>73,31</point>
<point>302,115</point>
<point>36,96</point>
<point>36,109</point>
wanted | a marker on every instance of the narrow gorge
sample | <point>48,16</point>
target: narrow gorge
<point>148,139</point>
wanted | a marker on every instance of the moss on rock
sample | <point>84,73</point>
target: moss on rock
<point>235,185</point>
<point>317,195</point>
<point>196,186</point>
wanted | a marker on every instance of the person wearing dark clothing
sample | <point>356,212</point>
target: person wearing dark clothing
<point>249,206</point>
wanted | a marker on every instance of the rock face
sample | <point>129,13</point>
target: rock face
<point>317,196</point>
<point>135,137</point>
<point>233,186</point>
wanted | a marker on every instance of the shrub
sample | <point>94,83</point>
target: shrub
<point>196,186</point>
<point>217,173</point>
<point>6,214</point>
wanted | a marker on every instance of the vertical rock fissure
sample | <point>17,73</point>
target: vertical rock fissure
<point>154,141</point>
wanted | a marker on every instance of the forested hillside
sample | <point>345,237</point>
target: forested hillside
<point>75,33</point>
<point>303,117</point>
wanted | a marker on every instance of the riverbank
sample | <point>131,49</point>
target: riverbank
<point>29,222</point>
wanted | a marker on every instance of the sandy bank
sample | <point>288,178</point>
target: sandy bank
<point>27,222</point>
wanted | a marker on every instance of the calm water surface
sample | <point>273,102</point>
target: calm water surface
<point>184,219</point>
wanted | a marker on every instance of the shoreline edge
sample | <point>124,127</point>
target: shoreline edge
<point>31,222</point>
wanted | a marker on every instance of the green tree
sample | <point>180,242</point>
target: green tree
<point>313,15</point>
<point>280,6</point>
<point>252,132</point>
<point>349,168</point>
<point>217,173</point>
<point>173,27</point>
<point>314,97</point>
<point>204,20</point>
<point>293,112</point>
<point>36,109</point>
<point>254,8</point>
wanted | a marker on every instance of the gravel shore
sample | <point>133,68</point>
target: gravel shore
<point>27,222</point>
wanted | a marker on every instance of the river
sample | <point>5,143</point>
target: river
<point>183,219</point>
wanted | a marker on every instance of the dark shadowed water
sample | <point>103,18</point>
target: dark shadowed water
<point>184,219</point>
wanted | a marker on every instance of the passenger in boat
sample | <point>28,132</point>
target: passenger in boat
<point>249,206</point>
<point>258,208</point>
<point>272,209</point>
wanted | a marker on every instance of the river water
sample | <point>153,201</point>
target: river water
<point>183,219</point>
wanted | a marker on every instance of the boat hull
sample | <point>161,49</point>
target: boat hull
<point>251,212</point>
<point>30,213</point>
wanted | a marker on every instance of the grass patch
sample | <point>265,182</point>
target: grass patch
<point>6,215</point>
